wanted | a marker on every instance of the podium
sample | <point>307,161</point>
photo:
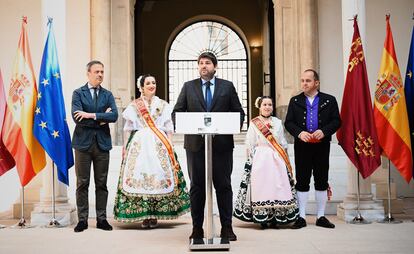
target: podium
<point>208,124</point>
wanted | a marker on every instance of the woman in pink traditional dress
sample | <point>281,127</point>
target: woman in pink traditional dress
<point>267,194</point>
<point>151,184</point>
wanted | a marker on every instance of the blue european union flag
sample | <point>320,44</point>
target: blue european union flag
<point>50,126</point>
<point>409,92</point>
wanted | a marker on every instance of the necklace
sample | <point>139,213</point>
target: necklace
<point>265,117</point>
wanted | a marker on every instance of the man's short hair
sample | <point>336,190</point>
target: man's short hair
<point>315,74</point>
<point>93,62</point>
<point>208,55</point>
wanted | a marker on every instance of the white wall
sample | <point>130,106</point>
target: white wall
<point>330,47</point>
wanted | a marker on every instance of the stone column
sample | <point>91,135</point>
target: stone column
<point>308,36</point>
<point>122,55</point>
<point>370,209</point>
<point>101,36</point>
<point>65,212</point>
<point>296,47</point>
<point>112,42</point>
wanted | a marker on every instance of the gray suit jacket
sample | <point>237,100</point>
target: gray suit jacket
<point>225,99</point>
<point>86,129</point>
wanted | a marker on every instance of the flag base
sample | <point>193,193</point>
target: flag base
<point>55,224</point>
<point>389,220</point>
<point>22,224</point>
<point>359,220</point>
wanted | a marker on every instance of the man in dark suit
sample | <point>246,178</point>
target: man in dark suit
<point>210,94</point>
<point>93,107</point>
<point>312,118</point>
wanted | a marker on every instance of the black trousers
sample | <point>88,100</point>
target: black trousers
<point>83,160</point>
<point>222,168</point>
<point>312,158</point>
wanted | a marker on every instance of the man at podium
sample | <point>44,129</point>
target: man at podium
<point>210,94</point>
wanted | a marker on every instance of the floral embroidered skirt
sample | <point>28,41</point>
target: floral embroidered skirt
<point>134,207</point>
<point>267,195</point>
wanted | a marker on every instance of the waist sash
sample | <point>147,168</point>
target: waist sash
<point>261,126</point>
<point>143,112</point>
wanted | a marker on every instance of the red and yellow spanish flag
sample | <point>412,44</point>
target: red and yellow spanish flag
<point>390,111</point>
<point>17,132</point>
<point>6,160</point>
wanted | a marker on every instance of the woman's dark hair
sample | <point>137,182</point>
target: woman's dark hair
<point>142,80</point>
<point>262,98</point>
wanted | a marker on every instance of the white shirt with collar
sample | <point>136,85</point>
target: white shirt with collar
<point>91,89</point>
<point>311,99</point>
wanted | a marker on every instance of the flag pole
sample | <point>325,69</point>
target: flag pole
<point>388,218</point>
<point>22,222</point>
<point>358,219</point>
<point>53,222</point>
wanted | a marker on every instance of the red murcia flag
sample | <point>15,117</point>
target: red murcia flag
<point>6,160</point>
<point>357,135</point>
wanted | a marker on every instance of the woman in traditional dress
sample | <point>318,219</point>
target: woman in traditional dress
<point>151,184</point>
<point>267,194</point>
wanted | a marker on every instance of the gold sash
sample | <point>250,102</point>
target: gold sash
<point>143,111</point>
<point>269,137</point>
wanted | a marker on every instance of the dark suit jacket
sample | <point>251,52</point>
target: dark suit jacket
<point>225,99</point>
<point>329,119</point>
<point>86,129</point>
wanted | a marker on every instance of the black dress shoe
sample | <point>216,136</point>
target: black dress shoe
<point>227,232</point>
<point>81,226</point>
<point>104,225</point>
<point>299,223</point>
<point>274,225</point>
<point>324,222</point>
<point>198,233</point>
<point>264,225</point>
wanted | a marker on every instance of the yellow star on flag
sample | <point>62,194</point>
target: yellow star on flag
<point>55,134</point>
<point>42,124</point>
<point>37,110</point>
<point>410,74</point>
<point>39,95</point>
<point>56,75</point>
<point>45,82</point>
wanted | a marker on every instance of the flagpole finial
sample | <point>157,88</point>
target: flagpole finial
<point>387,16</point>
<point>412,16</point>
<point>353,18</point>
<point>49,20</point>
<point>24,19</point>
